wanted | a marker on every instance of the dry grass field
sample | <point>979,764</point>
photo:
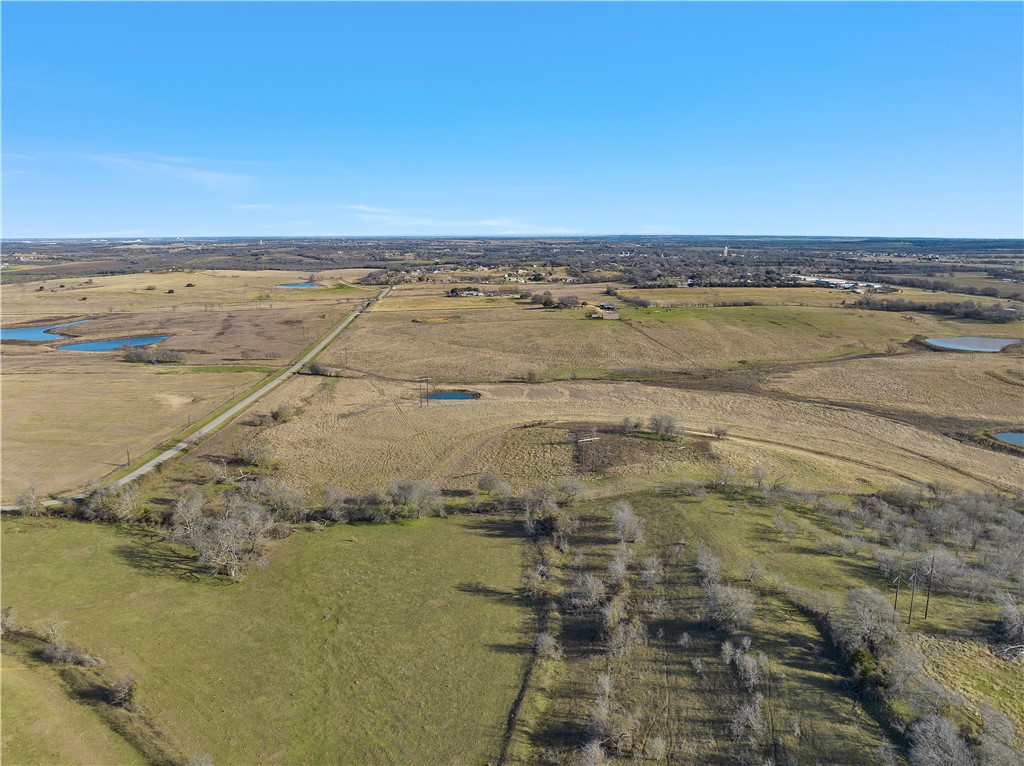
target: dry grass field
<point>366,432</point>
<point>778,296</point>
<point>64,429</point>
<point>25,303</point>
<point>73,417</point>
<point>353,643</point>
<point>977,386</point>
<point>418,331</point>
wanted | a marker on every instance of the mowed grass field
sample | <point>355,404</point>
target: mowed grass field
<point>418,331</point>
<point>35,697</point>
<point>72,417</point>
<point>356,644</point>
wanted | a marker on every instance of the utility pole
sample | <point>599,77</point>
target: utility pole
<point>913,580</point>
<point>896,600</point>
<point>129,455</point>
<point>928,598</point>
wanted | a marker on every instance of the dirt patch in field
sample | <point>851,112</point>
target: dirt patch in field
<point>437,319</point>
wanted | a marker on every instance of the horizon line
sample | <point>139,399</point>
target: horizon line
<point>135,237</point>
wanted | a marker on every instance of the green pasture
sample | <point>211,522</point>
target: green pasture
<point>355,644</point>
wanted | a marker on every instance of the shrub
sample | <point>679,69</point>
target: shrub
<point>547,647</point>
<point>283,413</point>
<point>587,593</point>
<point>28,502</point>
<point>257,453</point>
<point>335,504</point>
<point>63,653</point>
<point>934,741</point>
<point>124,693</point>
<point>417,498</point>
<point>493,484</point>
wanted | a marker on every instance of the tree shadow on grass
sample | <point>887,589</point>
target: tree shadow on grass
<point>510,648</point>
<point>153,554</point>
<point>495,594</point>
<point>497,526</point>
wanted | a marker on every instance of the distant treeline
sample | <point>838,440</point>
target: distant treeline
<point>994,312</point>
<point>938,285</point>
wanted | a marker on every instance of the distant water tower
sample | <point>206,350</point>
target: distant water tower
<point>725,253</point>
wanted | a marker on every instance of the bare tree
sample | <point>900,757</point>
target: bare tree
<point>627,523</point>
<point>335,504</point>
<point>630,425</point>
<point>591,754</point>
<point>626,636</point>
<point>650,571</point>
<point>569,490</point>
<point>618,567</point>
<point>709,566</point>
<point>867,622</point>
<point>125,693</point>
<point>934,741</point>
<point>588,591</point>
<point>417,497</point>
<point>1010,625</point>
<point>727,607</point>
<point>547,647</point>
<point>663,425</point>
<point>786,527</point>
<point>28,502</point>
<point>186,513</point>
<point>493,484</point>
<point>535,581</point>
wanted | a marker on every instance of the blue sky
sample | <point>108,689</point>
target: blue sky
<point>205,119</point>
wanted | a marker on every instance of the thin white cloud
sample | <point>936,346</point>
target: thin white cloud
<point>394,218</point>
<point>392,221</point>
<point>179,168</point>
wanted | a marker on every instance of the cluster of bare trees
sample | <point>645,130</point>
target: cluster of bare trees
<point>726,607</point>
<point>661,424</point>
<point>545,510</point>
<point>224,541</point>
<point>151,355</point>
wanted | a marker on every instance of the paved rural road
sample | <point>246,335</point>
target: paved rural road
<point>227,415</point>
<point>255,396</point>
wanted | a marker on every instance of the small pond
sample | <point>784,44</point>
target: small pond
<point>971,343</point>
<point>299,285</point>
<point>435,396</point>
<point>114,343</point>
<point>1012,437</point>
<point>36,333</point>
